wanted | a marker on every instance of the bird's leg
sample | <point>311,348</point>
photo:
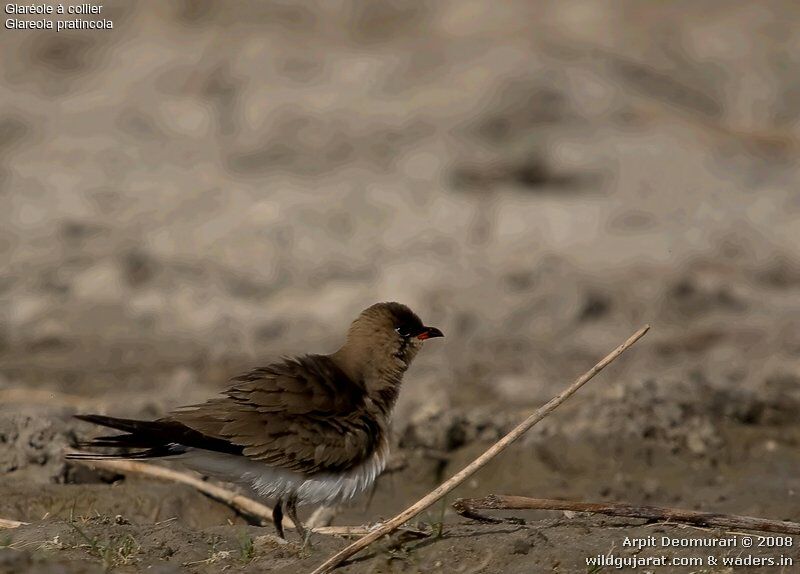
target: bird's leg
<point>277,517</point>
<point>291,510</point>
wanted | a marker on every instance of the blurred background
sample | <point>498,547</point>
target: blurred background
<point>209,186</point>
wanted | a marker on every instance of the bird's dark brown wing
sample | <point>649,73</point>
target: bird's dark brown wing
<point>301,414</point>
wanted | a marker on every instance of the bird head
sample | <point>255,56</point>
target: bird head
<point>384,339</point>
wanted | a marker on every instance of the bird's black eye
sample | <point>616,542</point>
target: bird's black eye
<point>403,330</point>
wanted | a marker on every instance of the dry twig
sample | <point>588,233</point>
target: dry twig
<point>6,523</point>
<point>467,507</point>
<point>238,502</point>
<point>479,462</point>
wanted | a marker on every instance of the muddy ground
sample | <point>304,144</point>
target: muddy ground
<point>209,186</point>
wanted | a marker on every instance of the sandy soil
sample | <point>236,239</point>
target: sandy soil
<point>206,187</point>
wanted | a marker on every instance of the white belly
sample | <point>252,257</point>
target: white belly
<point>269,481</point>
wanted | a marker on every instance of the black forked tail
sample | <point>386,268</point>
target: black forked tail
<point>147,439</point>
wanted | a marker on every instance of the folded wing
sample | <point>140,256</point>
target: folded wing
<point>301,414</point>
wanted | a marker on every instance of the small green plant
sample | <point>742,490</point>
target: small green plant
<point>436,521</point>
<point>126,549</point>
<point>94,547</point>
<point>439,524</point>
<point>113,552</point>
<point>214,544</point>
<point>246,547</point>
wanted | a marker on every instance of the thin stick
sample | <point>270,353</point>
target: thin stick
<point>6,523</point>
<point>236,501</point>
<point>468,506</point>
<point>476,464</point>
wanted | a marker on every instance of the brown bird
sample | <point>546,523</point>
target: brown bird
<point>310,429</point>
